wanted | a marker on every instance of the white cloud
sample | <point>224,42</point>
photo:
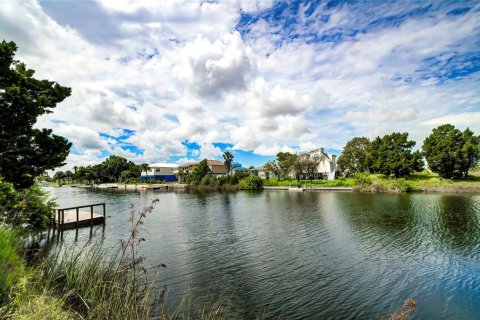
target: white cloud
<point>179,70</point>
<point>218,66</point>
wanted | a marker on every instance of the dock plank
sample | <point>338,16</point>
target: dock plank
<point>84,218</point>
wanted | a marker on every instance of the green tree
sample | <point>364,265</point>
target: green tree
<point>272,166</point>
<point>228,157</point>
<point>200,171</point>
<point>286,162</point>
<point>27,152</point>
<point>451,152</point>
<point>393,154</point>
<point>59,176</point>
<point>252,182</point>
<point>354,156</point>
<point>114,166</point>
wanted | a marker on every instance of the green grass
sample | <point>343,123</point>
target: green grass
<point>310,183</point>
<point>12,264</point>
<point>419,182</point>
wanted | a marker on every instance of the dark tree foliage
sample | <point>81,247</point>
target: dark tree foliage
<point>25,152</point>
<point>354,156</point>
<point>110,170</point>
<point>228,157</point>
<point>450,152</point>
<point>286,162</point>
<point>393,154</point>
<point>199,172</point>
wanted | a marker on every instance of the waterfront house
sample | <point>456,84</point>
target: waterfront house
<point>263,173</point>
<point>160,171</point>
<point>217,168</point>
<point>326,164</point>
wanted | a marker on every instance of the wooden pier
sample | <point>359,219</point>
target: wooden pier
<point>74,217</point>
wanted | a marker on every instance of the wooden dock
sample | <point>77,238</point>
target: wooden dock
<point>81,216</point>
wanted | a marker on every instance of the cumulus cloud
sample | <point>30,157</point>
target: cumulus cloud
<point>219,66</point>
<point>381,115</point>
<point>262,76</point>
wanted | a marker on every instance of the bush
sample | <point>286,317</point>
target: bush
<point>252,182</point>
<point>12,265</point>
<point>28,206</point>
<point>363,179</point>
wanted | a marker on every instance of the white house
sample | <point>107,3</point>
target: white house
<point>327,164</point>
<point>160,171</point>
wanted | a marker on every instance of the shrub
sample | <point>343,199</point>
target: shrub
<point>251,182</point>
<point>363,179</point>
<point>28,206</point>
<point>12,265</point>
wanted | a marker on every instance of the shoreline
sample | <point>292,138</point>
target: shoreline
<point>357,188</point>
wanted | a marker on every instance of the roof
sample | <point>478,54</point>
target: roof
<point>187,164</point>
<point>215,163</point>
<point>319,150</point>
<point>163,165</point>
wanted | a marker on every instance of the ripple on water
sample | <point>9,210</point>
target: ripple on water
<point>309,255</point>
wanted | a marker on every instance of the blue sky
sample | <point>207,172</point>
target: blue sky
<point>176,81</point>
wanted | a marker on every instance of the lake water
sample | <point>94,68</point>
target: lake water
<point>306,255</point>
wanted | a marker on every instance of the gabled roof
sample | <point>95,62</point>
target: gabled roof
<point>215,163</point>
<point>318,150</point>
<point>187,164</point>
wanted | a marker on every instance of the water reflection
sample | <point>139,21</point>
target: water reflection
<point>307,255</point>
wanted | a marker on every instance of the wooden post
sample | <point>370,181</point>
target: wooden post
<point>103,210</point>
<point>63,216</point>
<point>77,216</point>
<point>91,215</point>
<point>58,216</point>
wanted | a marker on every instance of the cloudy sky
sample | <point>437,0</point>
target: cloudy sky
<point>159,81</point>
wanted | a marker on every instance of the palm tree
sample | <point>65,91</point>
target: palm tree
<point>144,167</point>
<point>228,156</point>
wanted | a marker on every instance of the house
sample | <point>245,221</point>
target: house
<point>217,168</point>
<point>263,173</point>
<point>327,164</point>
<point>160,171</point>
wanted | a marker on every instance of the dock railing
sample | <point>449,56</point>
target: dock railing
<point>61,212</point>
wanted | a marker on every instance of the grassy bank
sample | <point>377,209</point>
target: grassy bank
<point>420,182</point>
<point>272,182</point>
<point>90,283</point>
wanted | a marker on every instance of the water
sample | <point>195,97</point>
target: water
<point>306,255</point>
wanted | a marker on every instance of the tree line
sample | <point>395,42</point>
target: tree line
<point>287,165</point>
<point>447,151</point>
<point>112,169</point>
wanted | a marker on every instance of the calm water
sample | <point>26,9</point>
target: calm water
<point>310,255</point>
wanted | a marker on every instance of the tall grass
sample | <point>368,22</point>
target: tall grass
<point>93,283</point>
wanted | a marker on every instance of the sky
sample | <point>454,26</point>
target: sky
<point>176,81</point>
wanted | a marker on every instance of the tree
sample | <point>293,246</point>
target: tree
<point>199,172</point>
<point>114,165</point>
<point>286,161</point>
<point>144,168</point>
<point>272,166</point>
<point>451,152</point>
<point>59,176</point>
<point>228,157</point>
<point>354,156</point>
<point>27,152</point>
<point>393,154</point>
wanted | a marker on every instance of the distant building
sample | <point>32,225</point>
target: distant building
<point>263,173</point>
<point>327,164</point>
<point>160,171</point>
<point>217,167</point>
